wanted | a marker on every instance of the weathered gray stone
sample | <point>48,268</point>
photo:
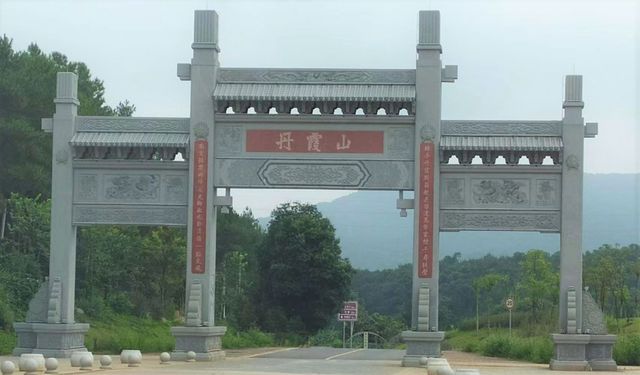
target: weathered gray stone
<point>593,320</point>
<point>419,345</point>
<point>38,305</point>
<point>206,342</point>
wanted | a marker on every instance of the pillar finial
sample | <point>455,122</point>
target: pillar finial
<point>67,88</point>
<point>205,31</point>
<point>573,91</point>
<point>429,30</point>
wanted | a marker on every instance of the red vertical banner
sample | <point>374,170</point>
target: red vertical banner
<point>199,228</point>
<point>425,195</point>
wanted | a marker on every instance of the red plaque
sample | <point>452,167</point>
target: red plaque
<point>199,229</point>
<point>425,230</point>
<point>327,141</point>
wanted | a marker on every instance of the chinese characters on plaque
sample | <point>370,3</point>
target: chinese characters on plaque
<point>329,141</point>
<point>199,234</point>
<point>425,195</point>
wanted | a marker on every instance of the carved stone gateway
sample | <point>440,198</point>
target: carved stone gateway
<point>118,170</point>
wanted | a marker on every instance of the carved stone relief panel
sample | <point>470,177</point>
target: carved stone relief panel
<point>131,186</point>
<point>400,143</point>
<point>135,215</point>
<point>500,220</point>
<point>500,192</point>
<point>176,188</point>
<point>134,188</point>
<point>454,127</point>
<point>229,140</point>
<point>302,75</point>
<point>133,124</point>
<point>312,174</point>
<point>547,193</point>
<point>321,174</point>
<point>453,191</point>
<point>86,188</point>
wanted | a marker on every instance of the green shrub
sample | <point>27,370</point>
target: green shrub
<point>626,351</point>
<point>496,346</point>
<point>327,337</point>
<point>7,342</point>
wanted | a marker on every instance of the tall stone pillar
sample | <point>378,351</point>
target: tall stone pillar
<point>571,225</point>
<point>200,333</point>
<point>50,328</point>
<point>575,348</point>
<point>424,339</point>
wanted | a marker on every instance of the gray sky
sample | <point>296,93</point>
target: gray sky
<point>512,56</point>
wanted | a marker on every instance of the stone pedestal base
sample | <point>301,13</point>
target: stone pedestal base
<point>420,344</point>
<point>206,342</point>
<point>600,353</point>
<point>51,340</point>
<point>574,352</point>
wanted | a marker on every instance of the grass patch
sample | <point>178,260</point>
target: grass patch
<point>498,343</point>
<point>252,338</point>
<point>113,333</point>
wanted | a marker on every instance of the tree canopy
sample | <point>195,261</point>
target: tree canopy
<point>303,277</point>
<point>27,90</point>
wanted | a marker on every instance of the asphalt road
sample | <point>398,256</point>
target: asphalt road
<point>319,361</point>
<point>326,353</point>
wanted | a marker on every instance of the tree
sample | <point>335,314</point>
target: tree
<point>24,255</point>
<point>163,261</point>
<point>486,283</point>
<point>539,284</point>
<point>27,90</point>
<point>303,278</point>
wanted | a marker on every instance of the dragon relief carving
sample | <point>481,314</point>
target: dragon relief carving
<point>506,191</point>
<point>132,187</point>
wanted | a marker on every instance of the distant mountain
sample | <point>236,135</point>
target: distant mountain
<point>374,236</point>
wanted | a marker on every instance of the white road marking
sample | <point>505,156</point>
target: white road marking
<point>271,352</point>
<point>341,354</point>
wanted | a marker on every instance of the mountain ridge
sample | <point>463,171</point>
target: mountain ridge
<point>374,236</point>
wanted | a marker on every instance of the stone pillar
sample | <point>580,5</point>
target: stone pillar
<point>575,349</point>
<point>571,226</point>
<point>424,339</point>
<point>50,328</point>
<point>200,333</point>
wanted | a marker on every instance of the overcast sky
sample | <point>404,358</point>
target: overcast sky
<point>512,56</point>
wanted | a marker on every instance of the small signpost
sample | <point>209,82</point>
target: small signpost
<point>509,304</point>
<point>349,313</point>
